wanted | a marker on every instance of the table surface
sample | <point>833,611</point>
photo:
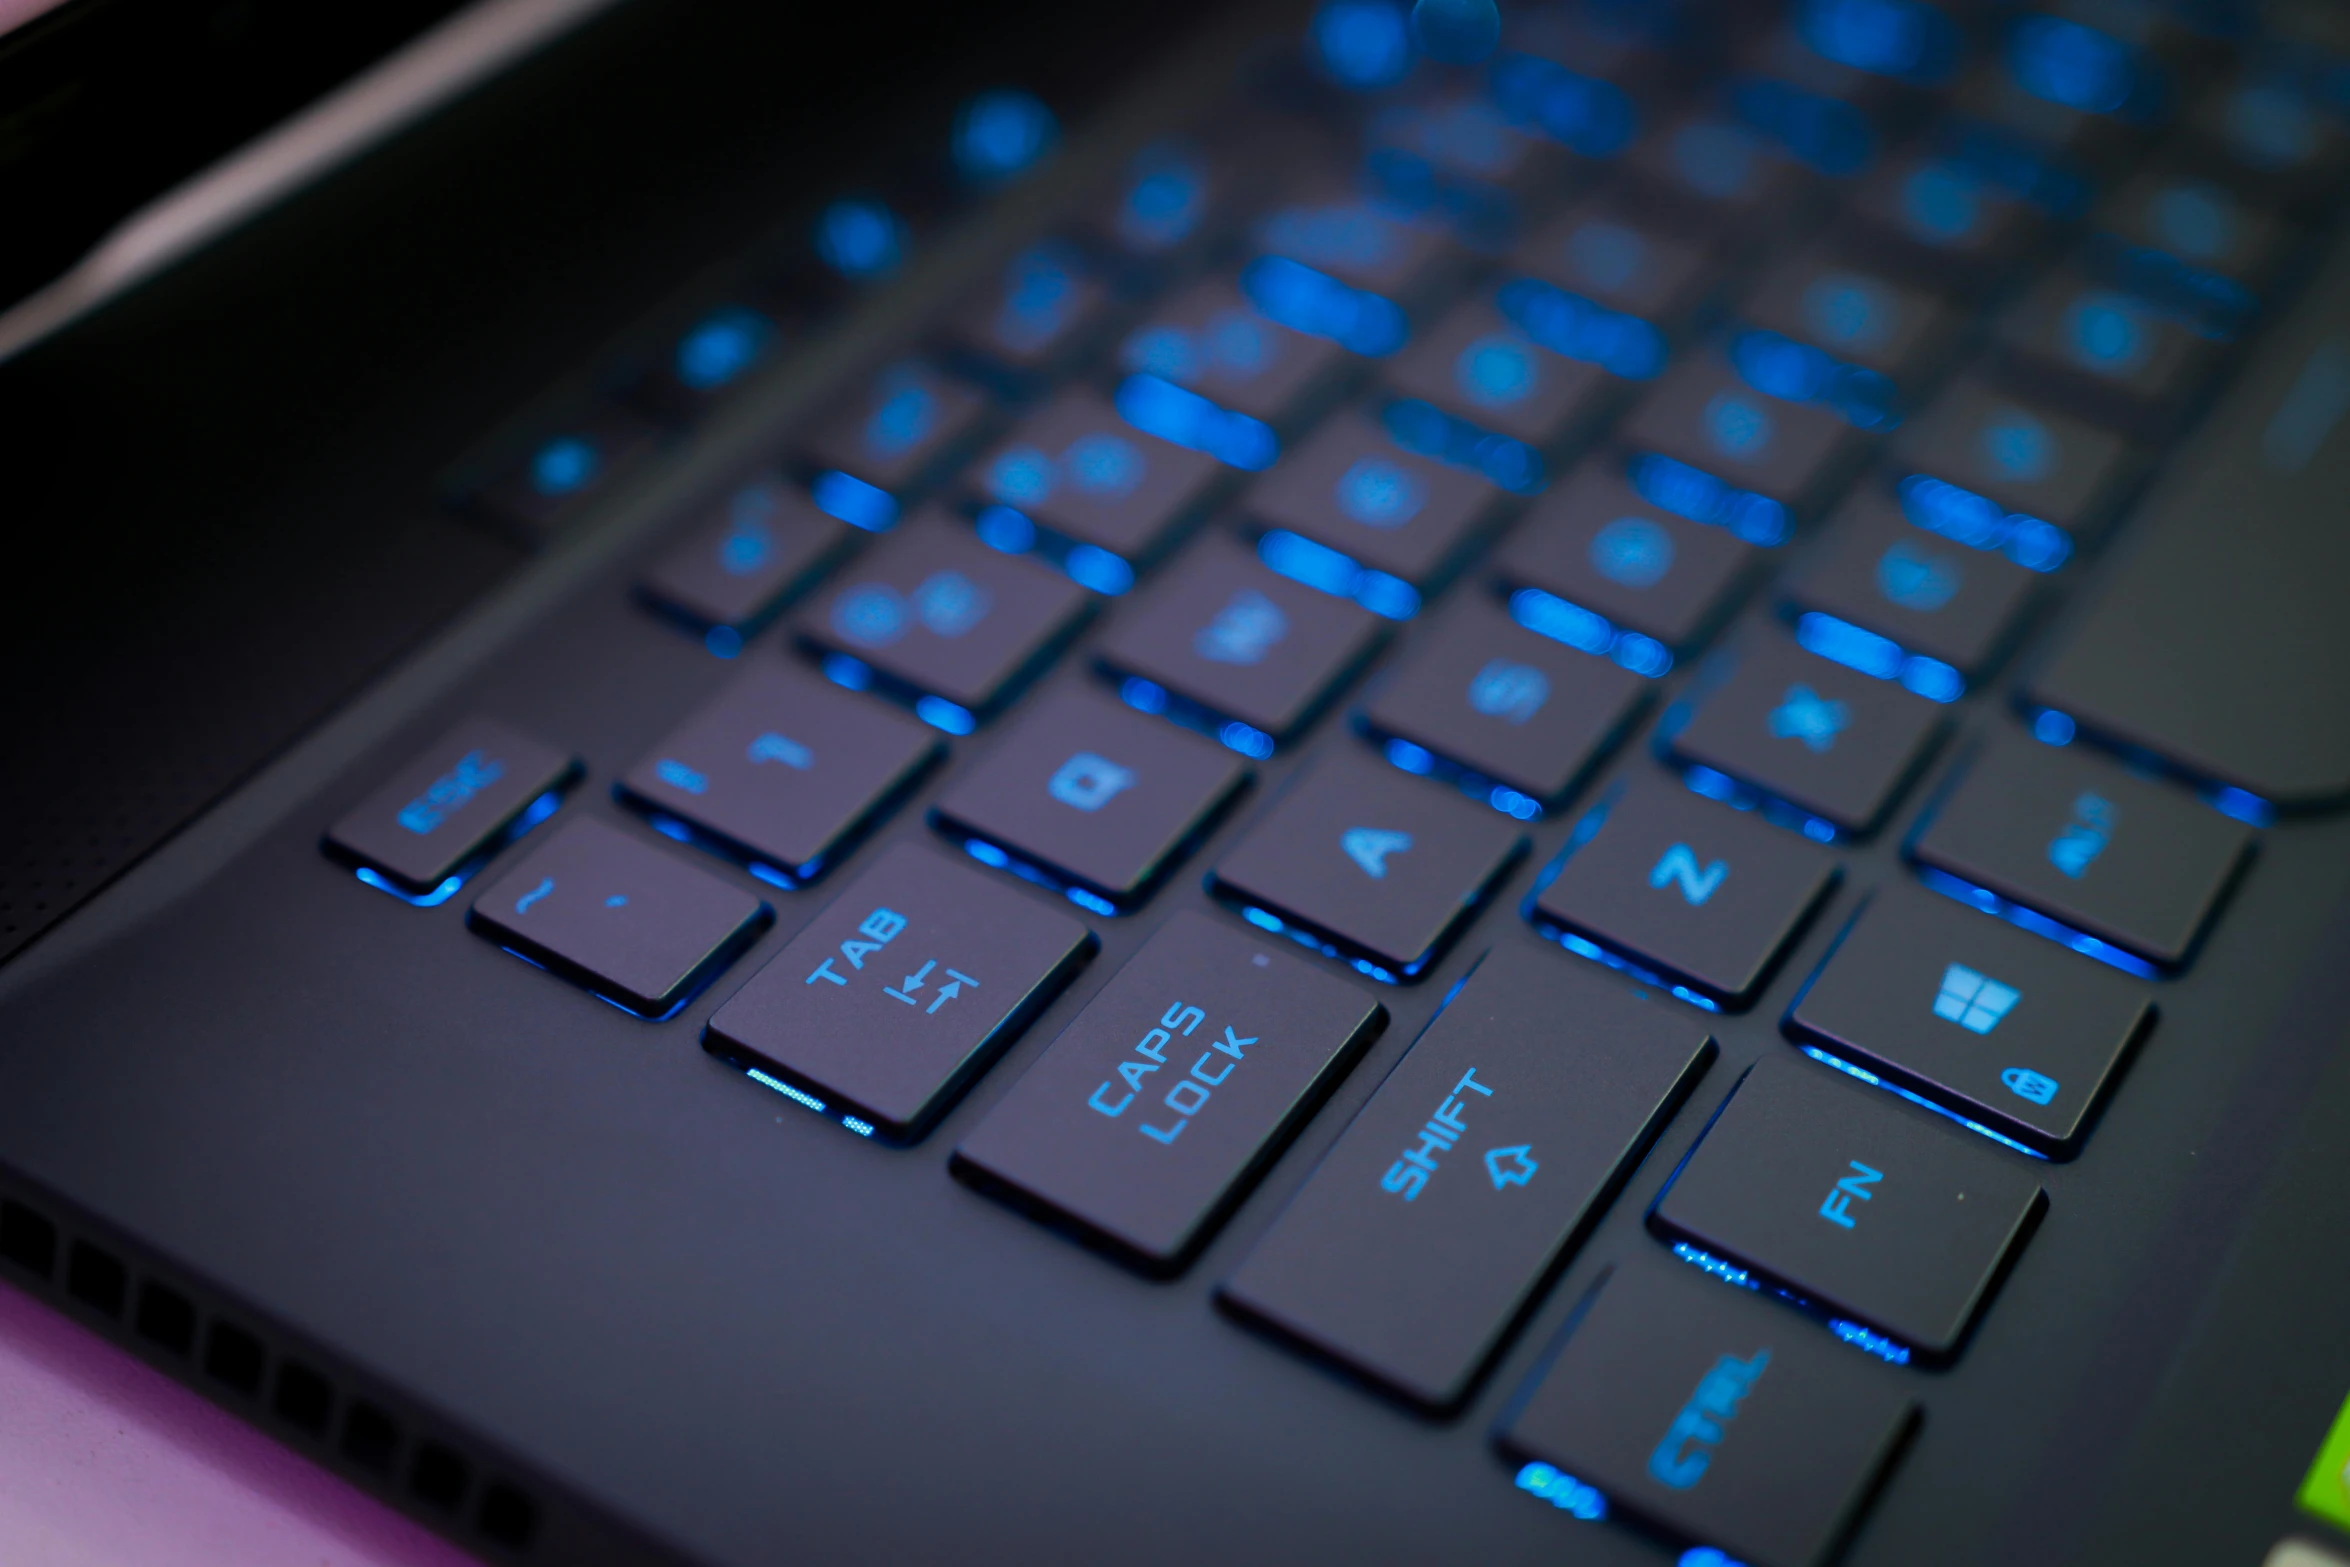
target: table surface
<point>106,1462</point>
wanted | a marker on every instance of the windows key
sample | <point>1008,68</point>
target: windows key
<point>901,992</point>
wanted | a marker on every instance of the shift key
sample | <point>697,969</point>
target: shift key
<point>1161,1103</point>
<point>1433,1225</point>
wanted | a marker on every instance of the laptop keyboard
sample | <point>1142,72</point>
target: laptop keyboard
<point>1669,427</point>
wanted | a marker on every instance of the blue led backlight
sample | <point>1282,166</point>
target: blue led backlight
<point>1700,497</point>
<point>1456,32</point>
<point>1159,407</point>
<point>1547,615</point>
<point>1362,44</point>
<point>1563,1491</point>
<point>1304,300</point>
<point>565,466</point>
<point>853,501</point>
<point>1905,39</point>
<point>1823,133</point>
<point>1589,115</point>
<point>1842,642</point>
<point>2074,65</point>
<point>1002,133</point>
<point>721,347</point>
<point>1318,566</point>
<point>1164,201</point>
<point>1422,427</point>
<point>1091,566</point>
<point>860,239</point>
<point>1577,328</point>
<point>1963,517</point>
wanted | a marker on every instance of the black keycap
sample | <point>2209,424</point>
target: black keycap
<point>2021,459</point>
<point>1487,696</point>
<point>781,771</point>
<point>1929,594</point>
<point>1426,1234</point>
<point>887,1005</point>
<point>2000,1028</point>
<point>1682,888</point>
<point>708,355</point>
<point>1171,199</point>
<point>1094,795</point>
<point>1044,309</point>
<point>1211,339</point>
<point>753,549</point>
<point>531,499</point>
<point>1477,365</point>
<point>1859,315</point>
<point>1077,468</point>
<point>2203,230</point>
<point>1221,634</point>
<point>1369,865</point>
<point>1724,1424</point>
<point>1702,414</point>
<point>1859,1206</point>
<point>1351,488</point>
<point>620,918</point>
<point>1991,95</point>
<point>890,434</point>
<point>1814,734</point>
<point>2262,131</point>
<point>2072,837</point>
<point>1621,261</point>
<point>2113,358</point>
<point>1714,176</point>
<point>1364,243</point>
<point>932,615</point>
<point>1155,1111</point>
<point>1934,206</point>
<point>1458,138</point>
<point>436,820</point>
<point>1597,543</point>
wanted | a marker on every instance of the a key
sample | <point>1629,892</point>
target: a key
<point>1363,243</point>
<point>1860,315</point>
<point>1478,365</point>
<point>436,821</point>
<point>2185,237</point>
<point>2001,1029</point>
<point>2103,853</point>
<point>1466,140</point>
<point>1725,1425</point>
<point>2118,360</point>
<point>1714,176</point>
<point>1685,892</point>
<point>708,356</point>
<point>887,437</point>
<point>2264,132</point>
<point>1596,542</point>
<point>1928,594</point>
<point>1094,795</point>
<point>753,549</point>
<point>1352,489</point>
<point>1975,445</point>
<point>1046,307</point>
<point>1620,261</point>
<point>1233,643</point>
<point>781,772</point>
<point>1938,208</point>
<point>1369,865</point>
<point>1486,696</point>
<point>2027,105</point>
<point>1704,414</point>
<point>1211,339</point>
<point>1170,199</point>
<point>1077,468</point>
<point>887,1005</point>
<point>621,919</point>
<point>1858,1206</point>
<point>1144,1124</point>
<point>1821,737</point>
<point>937,618</point>
<point>530,499</point>
<point>1443,1211</point>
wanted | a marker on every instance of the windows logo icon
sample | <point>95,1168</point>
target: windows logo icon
<point>1973,1001</point>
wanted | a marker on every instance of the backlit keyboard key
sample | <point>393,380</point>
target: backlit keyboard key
<point>1703,414</point>
<point>1485,696</point>
<point>1075,467</point>
<point>1826,740</point>
<point>2002,1029</point>
<point>2072,837</point>
<point>1045,308</point>
<point>1477,365</point>
<point>1597,543</point>
<point>1350,488</point>
<point>1928,594</point>
<point>1220,639</point>
<point>1211,339</point>
<point>1370,865</point>
<point>2188,238</point>
<point>1714,176</point>
<point>1433,1225</point>
<point>2010,464</point>
<point>1683,889</point>
<point>531,498</point>
<point>1155,1111</point>
<point>2265,132</point>
<point>754,548</point>
<point>781,772</point>
<point>436,820</point>
<point>1867,1211</point>
<point>708,356</point>
<point>1622,262</point>
<point>887,437</point>
<point>1726,1425</point>
<point>619,918</point>
<point>1364,243</point>
<point>934,617</point>
<point>886,1005</point>
<point>1860,316</point>
<point>1094,795</point>
<point>1936,207</point>
<point>2119,360</point>
<point>1173,197</point>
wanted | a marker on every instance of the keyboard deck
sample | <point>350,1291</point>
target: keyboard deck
<point>1414,740</point>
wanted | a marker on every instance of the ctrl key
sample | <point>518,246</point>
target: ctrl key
<point>1691,1410</point>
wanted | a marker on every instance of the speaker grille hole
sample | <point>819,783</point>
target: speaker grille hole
<point>234,1358</point>
<point>167,1319</point>
<point>304,1398</point>
<point>440,1477</point>
<point>27,1239</point>
<point>369,1436</point>
<point>508,1516</point>
<point>96,1279</point>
